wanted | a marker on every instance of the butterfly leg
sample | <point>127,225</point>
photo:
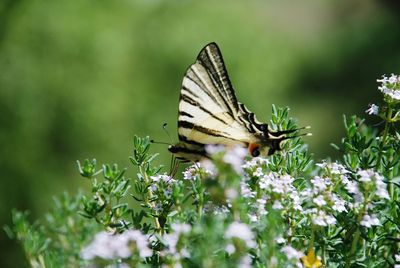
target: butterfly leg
<point>174,166</point>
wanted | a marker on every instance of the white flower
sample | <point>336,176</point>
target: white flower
<point>365,175</point>
<point>219,210</point>
<point>292,253</point>
<point>330,220</point>
<point>393,79</point>
<point>171,241</point>
<point>261,206</point>
<point>245,262</point>
<point>338,203</point>
<point>191,172</point>
<point>231,193</point>
<point>245,190</point>
<point>352,187</point>
<point>230,248</point>
<point>214,149</point>
<point>369,221</point>
<point>181,228</point>
<point>323,164</point>
<point>368,176</point>
<point>282,184</point>
<point>167,193</point>
<point>336,168</point>
<point>250,164</point>
<point>261,201</point>
<point>253,217</point>
<point>322,219</point>
<point>390,86</point>
<point>258,173</point>
<point>164,178</point>
<point>319,201</point>
<point>241,231</point>
<point>296,201</point>
<point>397,257</point>
<point>208,167</point>
<point>319,183</point>
<point>381,188</point>
<point>373,109</point>
<point>382,192</point>
<point>277,205</point>
<point>255,162</point>
<point>153,188</point>
<point>319,220</point>
<point>280,240</point>
<point>108,246</point>
<point>266,181</point>
<point>274,261</point>
<point>235,157</point>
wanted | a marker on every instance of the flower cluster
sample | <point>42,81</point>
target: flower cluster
<point>233,156</point>
<point>323,201</point>
<point>203,168</point>
<point>372,183</point>
<point>390,86</point>
<point>161,188</point>
<point>232,210</point>
<point>118,246</point>
<point>239,231</point>
<point>176,249</point>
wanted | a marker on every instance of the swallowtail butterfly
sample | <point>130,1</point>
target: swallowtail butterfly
<point>209,113</point>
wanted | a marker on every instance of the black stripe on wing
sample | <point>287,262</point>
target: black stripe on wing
<point>182,113</point>
<point>184,139</point>
<point>194,77</point>
<point>211,58</point>
<point>186,98</point>
<point>188,152</point>
<point>204,130</point>
<point>199,74</point>
<point>249,119</point>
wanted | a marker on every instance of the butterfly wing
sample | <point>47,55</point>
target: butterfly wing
<point>211,59</point>
<point>209,112</point>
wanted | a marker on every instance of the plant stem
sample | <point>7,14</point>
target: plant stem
<point>388,120</point>
<point>354,243</point>
<point>353,248</point>
<point>150,196</point>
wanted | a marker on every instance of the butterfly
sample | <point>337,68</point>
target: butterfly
<point>210,114</point>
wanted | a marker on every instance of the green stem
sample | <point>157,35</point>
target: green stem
<point>388,120</point>
<point>150,196</point>
<point>353,248</point>
<point>311,245</point>
<point>200,210</point>
<point>358,233</point>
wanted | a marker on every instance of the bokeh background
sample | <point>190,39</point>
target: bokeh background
<point>79,78</point>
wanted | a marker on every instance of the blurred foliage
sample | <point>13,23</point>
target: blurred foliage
<point>79,78</point>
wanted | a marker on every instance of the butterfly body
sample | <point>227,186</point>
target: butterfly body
<point>209,113</point>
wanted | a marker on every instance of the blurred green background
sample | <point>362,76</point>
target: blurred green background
<point>79,78</point>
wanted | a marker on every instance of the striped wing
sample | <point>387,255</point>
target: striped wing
<point>209,112</point>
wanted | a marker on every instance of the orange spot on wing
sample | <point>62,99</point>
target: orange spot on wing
<point>252,147</point>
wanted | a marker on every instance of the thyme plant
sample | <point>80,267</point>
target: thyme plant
<point>234,211</point>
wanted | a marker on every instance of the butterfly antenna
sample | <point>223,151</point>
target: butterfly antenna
<point>167,132</point>
<point>160,142</point>
<point>169,136</point>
